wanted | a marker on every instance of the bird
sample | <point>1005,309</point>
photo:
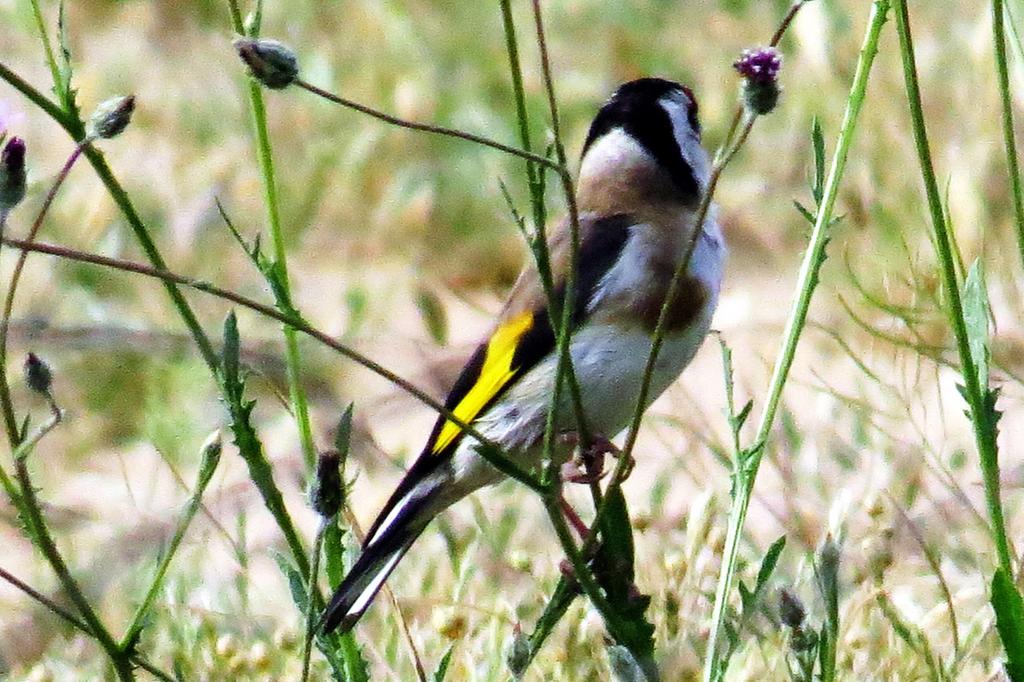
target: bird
<point>642,176</point>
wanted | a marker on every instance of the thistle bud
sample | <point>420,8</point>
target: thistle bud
<point>518,654</point>
<point>791,609</point>
<point>112,117</point>
<point>327,494</point>
<point>760,70</point>
<point>37,374</point>
<point>12,174</point>
<point>270,62</point>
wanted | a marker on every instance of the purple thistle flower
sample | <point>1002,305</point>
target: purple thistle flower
<point>760,70</point>
<point>12,174</point>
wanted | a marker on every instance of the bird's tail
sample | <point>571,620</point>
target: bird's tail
<point>400,523</point>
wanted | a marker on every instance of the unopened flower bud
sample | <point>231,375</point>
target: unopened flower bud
<point>760,70</point>
<point>791,609</point>
<point>270,62</point>
<point>37,374</point>
<point>327,494</point>
<point>12,174</point>
<point>518,654</point>
<point>112,117</point>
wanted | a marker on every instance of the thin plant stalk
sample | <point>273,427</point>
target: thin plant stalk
<point>73,620</point>
<point>974,393</point>
<point>1009,137</point>
<point>44,38</point>
<point>265,155</point>
<point>750,460</point>
<point>311,612</point>
<point>563,368</point>
<point>6,405</point>
<point>207,467</point>
<point>425,127</point>
<point>490,453</point>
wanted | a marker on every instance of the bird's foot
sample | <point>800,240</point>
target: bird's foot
<point>587,466</point>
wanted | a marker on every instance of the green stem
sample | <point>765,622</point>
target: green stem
<point>40,533</point>
<point>581,571</point>
<point>1009,138</point>
<point>44,38</point>
<point>564,368</point>
<point>746,473</point>
<point>311,617</point>
<point>974,392</point>
<point>207,466</point>
<point>293,360</point>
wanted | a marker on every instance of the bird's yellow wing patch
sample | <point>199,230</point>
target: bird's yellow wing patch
<point>495,373</point>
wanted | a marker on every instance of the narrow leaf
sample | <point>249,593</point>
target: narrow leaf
<point>976,316</point>
<point>771,559</point>
<point>343,434</point>
<point>1009,608</point>
<point>808,216</point>
<point>818,142</point>
<point>442,667</point>
<point>434,317</point>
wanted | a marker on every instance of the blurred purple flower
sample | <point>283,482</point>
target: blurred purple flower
<point>760,70</point>
<point>761,64</point>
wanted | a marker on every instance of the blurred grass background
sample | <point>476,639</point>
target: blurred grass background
<point>386,224</point>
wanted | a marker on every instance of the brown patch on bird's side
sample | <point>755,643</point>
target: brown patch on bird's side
<point>691,295</point>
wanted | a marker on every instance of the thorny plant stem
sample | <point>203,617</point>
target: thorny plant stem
<point>6,405</point>
<point>426,127</point>
<point>503,464</point>
<point>1009,138</point>
<point>750,460</point>
<point>974,393</point>
<point>74,621</point>
<point>293,361</point>
<point>311,615</point>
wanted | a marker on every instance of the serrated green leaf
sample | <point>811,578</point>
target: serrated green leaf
<point>818,143</point>
<point>343,434</point>
<point>442,667</point>
<point>808,216</point>
<point>334,554</point>
<point>741,418</point>
<point>771,559</point>
<point>296,585</point>
<point>976,316</point>
<point>229,359</point>
<point>746,597</point>
<point>433,314</point>
<point>1009,608</point>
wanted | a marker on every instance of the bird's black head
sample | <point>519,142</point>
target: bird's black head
<point>661,116</point>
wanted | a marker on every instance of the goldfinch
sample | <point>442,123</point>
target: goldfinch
<point>641,178</point>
